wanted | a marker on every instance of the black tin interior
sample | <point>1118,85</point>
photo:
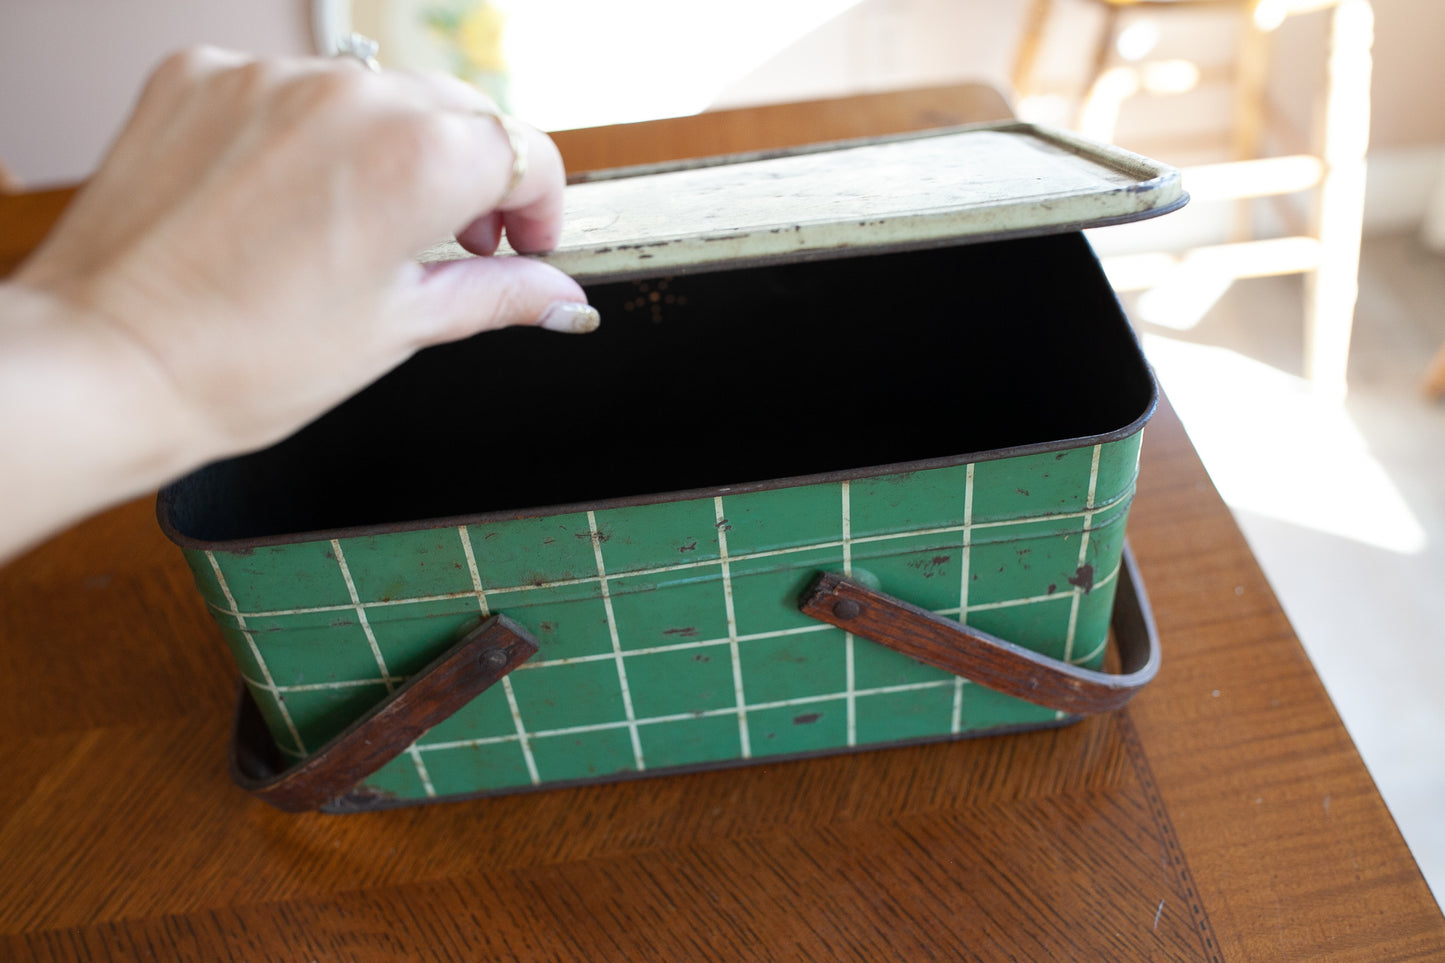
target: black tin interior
<point>715,379</point>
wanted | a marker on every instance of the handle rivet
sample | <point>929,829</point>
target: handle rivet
<point>847,609</point>
<point>494,658</point>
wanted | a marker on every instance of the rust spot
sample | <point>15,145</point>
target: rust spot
<point>724,526</point>
<point>548,540</point>
<point>1060,456</point>
<point>701,658</point>
<point>807,718</point>
<point>1053,587</point>
<point>598,537</point>
<point>1083,578</point>
<point>547,626</point>
<point>926,567</point>
<point>490,535</point>
<point>365,796</point>
<point>689,547</point>
<point>687,632</point>
<point>1022,491</point>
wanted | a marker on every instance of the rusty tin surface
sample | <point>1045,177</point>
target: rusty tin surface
<point>955,419</point>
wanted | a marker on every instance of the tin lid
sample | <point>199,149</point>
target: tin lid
<point>942,187</point>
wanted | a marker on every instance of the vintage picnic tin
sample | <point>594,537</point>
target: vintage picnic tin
<point>896,360</point>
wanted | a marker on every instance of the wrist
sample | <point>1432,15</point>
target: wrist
<point>87,419</point>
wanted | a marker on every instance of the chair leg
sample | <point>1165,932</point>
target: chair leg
<point>1036,19</point>
<point>1251,80</point>
<point>1434,384</point>
<point>1094,114</point>
<point>9,183</point>
<point>1334,286</point>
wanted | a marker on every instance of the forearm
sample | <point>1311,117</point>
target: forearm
<point>83,419</point>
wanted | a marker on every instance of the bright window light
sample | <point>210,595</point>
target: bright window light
<point>1277,447</point>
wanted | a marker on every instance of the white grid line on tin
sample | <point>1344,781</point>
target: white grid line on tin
<point>687,716</point>
<point>1078,592</point>
<point>386,676</point>
<point>340,557</point>
<point>845,497</point>
<point>507,690</point>
<point>1089,656</point>
<point>321,686</point>
<point>686,646</point>
<point>966,561</point>
<point>472,570</point>
<point>234,611</point>
<point>270,683</point>
<point>617,653</point>
<point>1083,553</point>
<point>523,738</point>
<point>745,745</point>
<point>1029,600</point>
<point>421,771</point>
<point>675,647</point>
<point>683,646</point>
<point>845,544</point>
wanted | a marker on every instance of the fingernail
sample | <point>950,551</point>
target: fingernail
<point>570,317</point>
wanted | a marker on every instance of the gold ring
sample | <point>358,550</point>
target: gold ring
<point>517,141</point>
<point>360,48</point>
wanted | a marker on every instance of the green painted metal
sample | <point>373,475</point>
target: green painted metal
<point>669,634</point>
<point>820,415</point>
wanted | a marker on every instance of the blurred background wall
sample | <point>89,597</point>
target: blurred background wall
<point>69,69</point>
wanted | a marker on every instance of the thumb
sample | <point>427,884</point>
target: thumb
<point>455,299</point>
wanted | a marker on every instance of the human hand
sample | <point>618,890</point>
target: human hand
<point>245,259</point>
<point>250,239</point>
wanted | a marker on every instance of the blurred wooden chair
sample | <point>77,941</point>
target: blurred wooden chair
<point>1435,375</point>
<point>1330,161</point>
<point>9,183</point>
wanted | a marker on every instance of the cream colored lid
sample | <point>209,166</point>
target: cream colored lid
<point>962,184</point>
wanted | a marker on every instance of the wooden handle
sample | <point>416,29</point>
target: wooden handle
<point>990,661</point>
<point>480,659</point>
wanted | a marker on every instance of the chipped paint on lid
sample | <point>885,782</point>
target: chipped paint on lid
<point>962,184</point>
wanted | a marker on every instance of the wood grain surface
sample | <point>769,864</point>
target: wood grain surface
<point>1224,815</point>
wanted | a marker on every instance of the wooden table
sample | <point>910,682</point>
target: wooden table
<point>1224,815</point>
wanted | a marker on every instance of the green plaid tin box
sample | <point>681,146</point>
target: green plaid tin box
<point>848,465</point>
